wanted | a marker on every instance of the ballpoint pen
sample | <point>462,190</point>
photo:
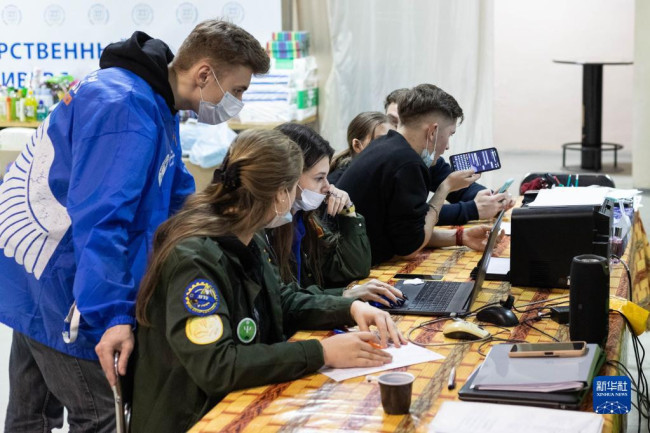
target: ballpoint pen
<point>451,384</point>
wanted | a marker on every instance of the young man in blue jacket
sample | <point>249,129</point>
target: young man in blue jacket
<point>79,207</point>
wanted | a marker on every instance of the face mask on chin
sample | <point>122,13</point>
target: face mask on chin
<point>213,114</point>
<point>427,157</point>
<point>309,200</point>
<point>280,219</point>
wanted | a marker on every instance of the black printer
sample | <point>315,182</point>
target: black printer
<point>545,240</point>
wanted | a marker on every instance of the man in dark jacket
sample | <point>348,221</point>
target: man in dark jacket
<point>389,181</point>
<point>83,202</point>
<point>467,204</point>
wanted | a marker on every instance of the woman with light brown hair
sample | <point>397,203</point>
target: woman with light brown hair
<point>213,313</point>
<point>364,128</point>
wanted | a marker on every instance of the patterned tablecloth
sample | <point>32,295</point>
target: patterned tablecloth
<point>316,403</point>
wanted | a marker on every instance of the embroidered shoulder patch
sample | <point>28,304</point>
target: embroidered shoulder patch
<point>204,330</point>
<point>200,298</point>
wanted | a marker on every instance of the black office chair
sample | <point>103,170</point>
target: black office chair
<point>587,179</point>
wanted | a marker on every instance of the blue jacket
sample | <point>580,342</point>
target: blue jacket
<point>79,208</point>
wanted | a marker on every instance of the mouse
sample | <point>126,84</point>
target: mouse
<point>462,330</point>
<point>376,304</point>
<point>498,315</point>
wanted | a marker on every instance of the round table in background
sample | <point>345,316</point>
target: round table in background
<point>592,146</point>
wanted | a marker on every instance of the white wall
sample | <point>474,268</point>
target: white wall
<point>537,103</point>
<point>641,160</point>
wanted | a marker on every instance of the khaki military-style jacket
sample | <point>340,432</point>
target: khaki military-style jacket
<point>215,330</point>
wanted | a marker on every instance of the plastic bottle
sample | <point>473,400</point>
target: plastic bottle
<point>30,106</point>
<point>8,109</point>
<point>20,106</point>
<point>44,95</point>
<point>13,94</point>
<point>41,111</point>
<point>3,103</point>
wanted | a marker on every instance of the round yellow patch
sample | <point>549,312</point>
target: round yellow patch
<point>204,330</point>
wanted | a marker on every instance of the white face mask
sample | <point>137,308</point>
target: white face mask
<point>309,200</point>
<point>213,114</point>
<point>280,219</point>
<point>427,157</point>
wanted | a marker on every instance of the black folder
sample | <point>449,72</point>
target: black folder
<point>555,400</point>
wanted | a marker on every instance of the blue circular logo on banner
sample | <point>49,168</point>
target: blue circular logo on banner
<point>98,14</point>
<point>11,15</point>
<point>142,14</point>
<point>233,11</point>
<point>54,15</point>
<point>186,13</point>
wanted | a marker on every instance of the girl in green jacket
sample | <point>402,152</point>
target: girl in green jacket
<point>325,247</point>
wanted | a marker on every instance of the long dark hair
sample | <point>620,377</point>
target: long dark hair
<point>363,125</point>
<point>314,148</point>
<point>258,164</point>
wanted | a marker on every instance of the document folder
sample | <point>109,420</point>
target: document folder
<point>543,374</point>
<point>559,399</point>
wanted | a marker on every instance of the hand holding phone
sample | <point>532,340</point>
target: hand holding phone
<point>542,350</point>
<point>505,186</point>
<point>477,160</point>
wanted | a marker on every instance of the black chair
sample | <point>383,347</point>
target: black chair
<point>583,179</point>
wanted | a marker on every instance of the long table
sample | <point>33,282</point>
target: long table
<point>316,403</point>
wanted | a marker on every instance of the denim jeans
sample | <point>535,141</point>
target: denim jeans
<point>42,381</point>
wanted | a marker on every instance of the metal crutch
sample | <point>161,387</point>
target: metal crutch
<point>122,409</point>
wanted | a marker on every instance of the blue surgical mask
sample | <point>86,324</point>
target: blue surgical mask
<point>213,114</point>
<point>309,200</point>
<point>280,219</point>
<point>427,157</point>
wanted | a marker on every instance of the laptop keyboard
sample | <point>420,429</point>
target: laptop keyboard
<point>435,296</point>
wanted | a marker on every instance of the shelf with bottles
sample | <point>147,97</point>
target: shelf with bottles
<point>19,124</point>
<point>28,106</point>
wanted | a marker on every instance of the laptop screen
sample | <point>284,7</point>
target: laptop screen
<point>485,260</point>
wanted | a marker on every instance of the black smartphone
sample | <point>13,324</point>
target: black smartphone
<point>433,277</point>
<point>477,160</point>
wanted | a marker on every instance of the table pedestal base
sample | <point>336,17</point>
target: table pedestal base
<point>588,153</point>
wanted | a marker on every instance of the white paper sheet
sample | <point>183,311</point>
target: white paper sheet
<point>499,265</point>
<point>580,196</point>
<point>506,226</point>
<point>413,281</point>
<point>406,355</point>
<point>469,417</point>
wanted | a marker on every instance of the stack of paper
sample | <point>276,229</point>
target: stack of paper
<point>583,196</point>
<point>288,92</point>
